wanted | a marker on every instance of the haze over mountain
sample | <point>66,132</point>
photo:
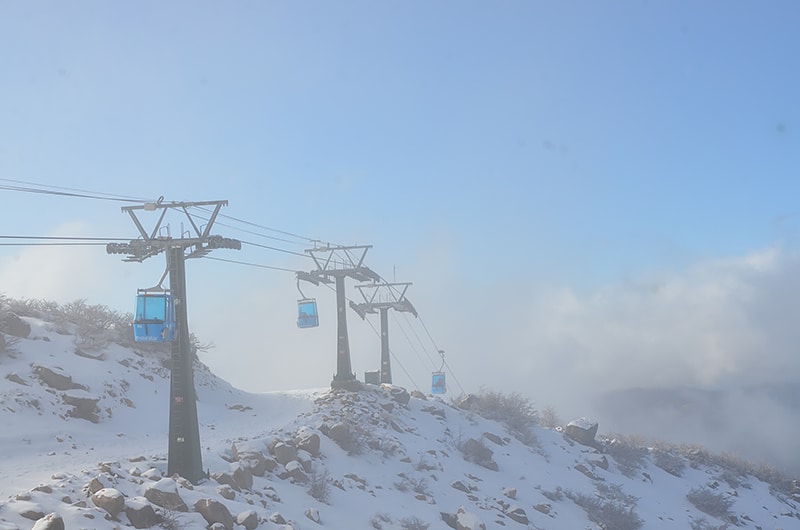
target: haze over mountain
<point>85,410</point>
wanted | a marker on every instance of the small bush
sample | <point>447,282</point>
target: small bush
<point>710,502</point>
<point>702,524</point>
<point>629,454</point>
<point>380,519</point>
<point>555,495</point>
<point>607,513</point>
<point>670,462</point>
<point>513,410</point>
<point>549,419</point>
<point>320,485</point>
<point>412,523</point>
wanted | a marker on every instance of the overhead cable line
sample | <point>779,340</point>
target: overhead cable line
<point>410,343</point>
<point>277,231</point>
<point>293,253</point>
<point>63,191</point>
<point>251,264</point>
<point>396,360</point>
<point>66,238</point>
<point>442,352</point>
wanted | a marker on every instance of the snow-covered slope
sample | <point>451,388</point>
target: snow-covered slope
<point>376,458</point>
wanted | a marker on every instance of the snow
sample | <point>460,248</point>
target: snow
<point>401,462</point>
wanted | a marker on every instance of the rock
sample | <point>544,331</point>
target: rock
<point>468,521</point>
<point>308,442</point>
<point>226,492</point>
<point>141,513</point>
<point>164,494</point>
<point>543,508</point>
<point>248,519</point>
<point>255,462</point>
<point>517,514</point>
<point>511,493</point>
<point>493,438</point>
<point>14,376</point>
<point>419,395</point>
<point>225,479</point>
<point>284,453</point>
<point>583,431</point>
<point>313,514</point>
<point>12,324</point>
<point>214,512</point>
<point>85,405</point>
<point>243,477</point>
<point>460,486</point>
<point>110,500</point>
<point>51,521</point>
<point>33,512</point>
<point>55,378</point>
<point>400,395</point>
<point>277,518</point>
<point>586,471</point>
<point>602,463</point>
<point>295,471</point>
<point>449,519</point>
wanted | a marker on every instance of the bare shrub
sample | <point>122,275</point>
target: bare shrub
<point>607,514</point>
<point>380,519</point>
<point>320,485</point>
<point>710,502</point>
<point>702,524</point>
<point>669,461</point>
<point>548,418</point>
<point>417,485</point>
<point>629,454</point>
<point>555,495</point>
<point>513,410</point>
<point>412,523</point>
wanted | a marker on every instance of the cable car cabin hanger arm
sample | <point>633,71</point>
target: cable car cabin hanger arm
<point>164,206</point>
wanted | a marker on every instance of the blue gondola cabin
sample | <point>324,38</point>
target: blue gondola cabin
<point>307,316</point>
<point>438,383</point>
<point>154,318</point>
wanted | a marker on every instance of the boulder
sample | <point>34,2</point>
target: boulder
<point>243,476</point>
<point>284,453</point>
<point>51,521</point>
<point>13,325</point>
<point>517,514</point>
<point>583,431</point>
<point>84,405</point>
<point>141,513</point>
<point>226,479</point>
<point>110,500</point>
<point>468,521</point>
<point>308,441</point>
<point>214,512</point>
<point>14,376</point>
<point>226,492</point>
<point>55,378</point>
<point>164,494</point>
<point>400,395</point>
<point>248,519</point>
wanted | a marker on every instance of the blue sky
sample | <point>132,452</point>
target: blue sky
<point>490,151</point>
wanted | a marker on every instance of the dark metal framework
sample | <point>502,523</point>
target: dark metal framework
<point>184,434</point>
<point>380,297</point>
<point>334,264</point>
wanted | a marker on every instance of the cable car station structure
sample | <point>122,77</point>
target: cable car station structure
<point>334,264</point>
<point>380,297</point>
<point>161,316</point>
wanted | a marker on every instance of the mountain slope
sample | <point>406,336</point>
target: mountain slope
<point>376,458</point>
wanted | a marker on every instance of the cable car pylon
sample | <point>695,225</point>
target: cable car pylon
<point>334,264</point>
<point>382,297</point>
<point>184,456</point>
